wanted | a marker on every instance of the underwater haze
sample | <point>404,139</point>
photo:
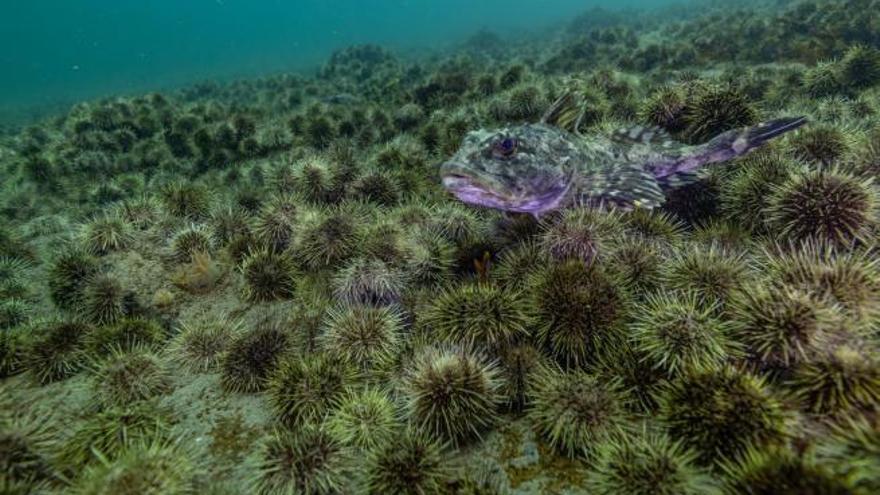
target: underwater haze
<point>440,247</point>
<point>57,51</point>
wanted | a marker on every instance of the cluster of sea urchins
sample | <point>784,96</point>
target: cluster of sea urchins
<point>262,281</point>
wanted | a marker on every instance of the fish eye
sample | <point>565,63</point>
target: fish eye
<point>505,148</point>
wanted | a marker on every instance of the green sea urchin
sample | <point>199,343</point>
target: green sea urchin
<point>852,451</point>
<point>190,241</point>
<point>579,310</point>
<point>268,276</point>
<point>648,463</point>
<point>365,419</point>
<point>275,225</point>
<point>14,312</point>
<point>106,233</point>
<point>308,460</point>
<point>517,363</point>
<point>860,66</point>
<point>826,206</point>
<point>369,281</point>
<point>713,274</point>
<point>191,201</point>
<point>251,359</point>
<point>125,334</point>
<point>841,380</point>
<point>106,434</point>
<point>848,278</point>
<point>25,455</point>
<point>452,393</point>
<point>581,234</point>
<point>717,109</point>
<point>750,189</point>
<point>125,377</point>
<point>154,468</point>
<point>305,389</point>
<point>200,346</point>
<point>722,412</point>
<point>781,326</point>
<point>329,238</point>
<point>666,108</point>
<point>363,336</point>
<point>56,350</point>
<point>824,79</point>
<point>780,471</point>
<point>478,314</point>
<point>516,264</point>
<point>410,463</point>
<point>575,411</point>
<point>67,278</point>
<point>819,145</point>
<point>104,300</point>
<point>637,263</point>
<point>675,334</point>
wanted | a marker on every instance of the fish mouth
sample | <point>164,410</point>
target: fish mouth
<point>470,190</point>
<point>454,181</point>
<point>454,178</point>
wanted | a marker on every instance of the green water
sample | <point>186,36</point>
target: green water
<point>440,248</point>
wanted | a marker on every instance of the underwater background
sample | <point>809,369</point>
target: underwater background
<point>228,262</point>
<point>60,52</point>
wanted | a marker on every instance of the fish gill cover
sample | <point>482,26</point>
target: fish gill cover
<point>261,283</point>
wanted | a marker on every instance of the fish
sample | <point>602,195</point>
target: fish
<point>537,168</point>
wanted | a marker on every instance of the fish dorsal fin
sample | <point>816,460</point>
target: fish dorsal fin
<point>639,134</point>
<point>627,186</point>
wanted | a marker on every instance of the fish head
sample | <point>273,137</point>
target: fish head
<point>526,168</point>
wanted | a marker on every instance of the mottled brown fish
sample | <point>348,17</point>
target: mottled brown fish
<point>536,168</point>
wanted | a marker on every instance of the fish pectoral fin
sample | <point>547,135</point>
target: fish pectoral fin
<point>679,179</point>
<point>628,186</point>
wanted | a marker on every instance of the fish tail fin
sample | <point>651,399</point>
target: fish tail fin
<point>738,142</point>
<point>725,146</point>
